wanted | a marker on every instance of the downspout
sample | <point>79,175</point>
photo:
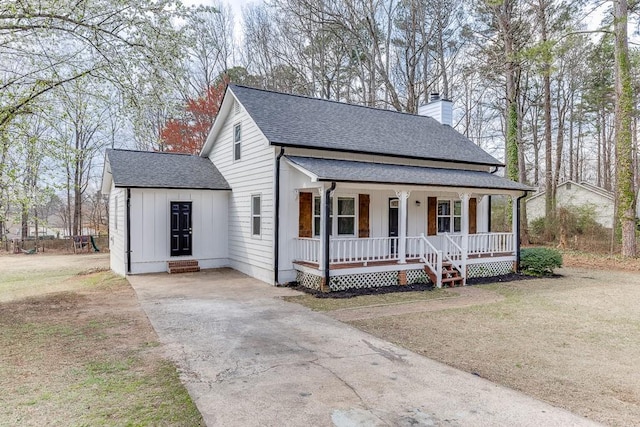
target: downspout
<point>327,232</point>
<point>128,231</point>
<point>518,230</point>
<point>276,224</point>
<point>489,214</point>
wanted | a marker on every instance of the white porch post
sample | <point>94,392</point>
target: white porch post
<point>402,226</point>
<point>514,221</point>
<point>464,229</point>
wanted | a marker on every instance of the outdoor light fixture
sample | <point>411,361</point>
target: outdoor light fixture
<point>417,202</point>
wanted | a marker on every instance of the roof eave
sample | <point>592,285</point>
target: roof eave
<point>107,176</point>
<point>223,112</point>
<point>326,179</point>
<point>283,144</point>
<point>172,187</point>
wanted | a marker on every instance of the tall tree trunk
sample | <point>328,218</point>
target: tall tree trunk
<point>571,154</point>
<point>549,195</point>
<point>24,233</point>
<point>624,142</point>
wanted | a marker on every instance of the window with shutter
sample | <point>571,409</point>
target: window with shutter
<point>304,214</point>
<point>473,204</point>
<point>363,215</point>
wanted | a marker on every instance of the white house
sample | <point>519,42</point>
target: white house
<point>576,194</point>
<point>328,194</point>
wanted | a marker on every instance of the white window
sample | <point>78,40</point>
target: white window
<point>346,218</point>
<point>317,209</point>
<point>256,215</point>
<point>237,136</point>
<point>449,220</point>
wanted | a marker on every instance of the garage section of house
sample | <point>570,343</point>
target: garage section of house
<point>165,208</point>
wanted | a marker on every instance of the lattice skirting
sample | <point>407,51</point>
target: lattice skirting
<point>361,280</point>
<point>307,280</point>
<point>417,276</point>
<point>489,269</point>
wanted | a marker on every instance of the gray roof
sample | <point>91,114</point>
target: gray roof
<point>148,169</point>
<point>382,173</point>
<point>298,121</point>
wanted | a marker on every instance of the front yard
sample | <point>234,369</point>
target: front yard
<point>76,349</point>
<point>572,341</point>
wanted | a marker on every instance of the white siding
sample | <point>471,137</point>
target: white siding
<point>150,228</point>
<point>117,231</point>
<point>252,174</point>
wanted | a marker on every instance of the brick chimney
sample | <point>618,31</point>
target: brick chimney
<point>439,109</point>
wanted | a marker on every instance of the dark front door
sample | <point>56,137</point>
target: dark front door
<point>180,228</point>
<point>393,222</point>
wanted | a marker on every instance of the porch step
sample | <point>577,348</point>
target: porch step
<point>185,266</point>
<point>450,275</point>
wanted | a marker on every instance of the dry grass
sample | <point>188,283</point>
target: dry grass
<point>87,356</point>
<point>329,304</point>
<point>571,341</point>
<point>600,262</point>
<point>23,276</point>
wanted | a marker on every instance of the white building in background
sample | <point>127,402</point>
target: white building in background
<point>576,194</point>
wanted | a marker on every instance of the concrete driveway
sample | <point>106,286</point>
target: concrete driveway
<point>250,359</point>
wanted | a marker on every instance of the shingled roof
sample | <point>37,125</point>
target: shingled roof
<point>369,172</point>
<point>148,169</point>
<point>298,121</point>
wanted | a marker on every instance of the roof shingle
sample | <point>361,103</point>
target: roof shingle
<point>298,121</point>
<point>382,173</point>
<point>148,169</point>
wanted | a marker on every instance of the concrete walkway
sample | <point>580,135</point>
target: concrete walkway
<point>250,359</point>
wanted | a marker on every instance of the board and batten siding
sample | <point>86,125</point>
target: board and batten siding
<point>117,231</point>
<point>252,175</point>
<point>151,222</point>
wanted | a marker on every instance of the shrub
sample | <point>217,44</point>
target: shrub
<point>539,261</point>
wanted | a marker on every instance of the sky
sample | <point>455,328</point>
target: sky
<point>236,6</point>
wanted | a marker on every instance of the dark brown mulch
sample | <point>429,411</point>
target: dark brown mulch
<point>416,287</point>
<point>350,293</point>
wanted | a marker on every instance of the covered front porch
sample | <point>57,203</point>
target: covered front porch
<point>353,234</point>
<point>423,257</point>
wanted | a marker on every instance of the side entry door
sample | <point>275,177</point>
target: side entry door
<point>181,232</point>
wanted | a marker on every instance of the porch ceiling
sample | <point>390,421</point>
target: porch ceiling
<point>382,173</point>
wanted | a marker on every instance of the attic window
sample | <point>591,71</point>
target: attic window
<point>237,137</point>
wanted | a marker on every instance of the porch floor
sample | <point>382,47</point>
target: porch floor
<point>357,264</point>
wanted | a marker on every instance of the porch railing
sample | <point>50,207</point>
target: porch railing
<point>450,248</point>
<point>490,243</point>
<point>307,250</point>
<point>453,253</point>
<point>363,249</point>
<point>432,258</point>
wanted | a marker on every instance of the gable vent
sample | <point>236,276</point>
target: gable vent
<point>236,107</point>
